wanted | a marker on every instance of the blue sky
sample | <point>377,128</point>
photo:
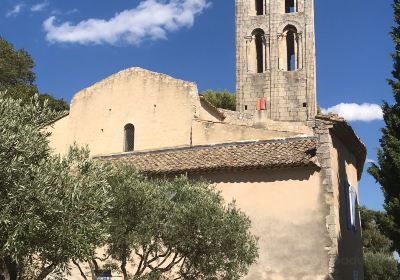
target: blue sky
<point>195,41</point>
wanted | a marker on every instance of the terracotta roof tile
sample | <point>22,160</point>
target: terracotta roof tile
<point>292,152</point>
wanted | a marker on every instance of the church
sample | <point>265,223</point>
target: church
<point>294,172</point>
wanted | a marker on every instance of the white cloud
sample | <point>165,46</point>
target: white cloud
<point>370,160</point>
<point>15,10</point>
<point>73,11</point>
<point>150,20</point>
<point>39,7</point>
<point>365,112</point>
<point>56,12</point>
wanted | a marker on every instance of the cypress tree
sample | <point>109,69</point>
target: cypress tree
<point>387,170</point>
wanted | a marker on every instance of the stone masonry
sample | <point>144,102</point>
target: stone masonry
<point>290,95</point>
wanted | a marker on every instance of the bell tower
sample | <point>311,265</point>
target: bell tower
<point>275,58</point>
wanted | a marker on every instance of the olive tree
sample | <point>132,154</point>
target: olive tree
<point>52,208</point>
<point>176,229</point>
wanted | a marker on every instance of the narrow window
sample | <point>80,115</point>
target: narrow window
<point>290,47</point>
<point>353,208</point>
<point>351,199</point>
<point>290,6</point>
<point>129,137</point>
<point>259,7</point>
<point>260,52</point>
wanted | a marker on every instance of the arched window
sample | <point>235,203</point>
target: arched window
<point>290,6</point>
<point>259,39</point>
<point>257,51</point>
<point>290,49</point>
<point>259,7</point>
<point>129,137</point>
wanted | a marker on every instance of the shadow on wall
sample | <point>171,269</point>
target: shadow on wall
<point>265,176</point>
<point>349,262</point>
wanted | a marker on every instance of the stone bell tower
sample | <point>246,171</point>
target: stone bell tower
<point>275,58</point>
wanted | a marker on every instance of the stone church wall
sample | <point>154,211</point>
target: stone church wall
<point>349,242</point>
<point>165,113</point>
<point>338,172</point>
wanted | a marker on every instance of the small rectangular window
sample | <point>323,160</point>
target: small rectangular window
<point>290,6</point>
<point>355,275</point>
<point>351,201</point>
<point>104,275</point>
<point>259,7</point>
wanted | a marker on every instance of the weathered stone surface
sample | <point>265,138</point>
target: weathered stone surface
<point>290,95</point>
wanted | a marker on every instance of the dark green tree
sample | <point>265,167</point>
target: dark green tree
<point>374,226</point>
<point>379,261</point>
<point>221,99</point>
<point>387,170</point>
<point>176,229</point>
<point>380,227</point>
<point>17,78</point>
<point>379,266</point>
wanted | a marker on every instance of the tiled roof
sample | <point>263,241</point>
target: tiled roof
<point>291,152</point>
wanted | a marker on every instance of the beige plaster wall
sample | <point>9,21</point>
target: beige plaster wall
<point>217,133</point>
<point>260,119</point>
<point>161,109</point>
<point>285,207</point>
<point>61,138</point>
<point>349,242</point>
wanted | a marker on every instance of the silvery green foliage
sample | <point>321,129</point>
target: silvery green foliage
<point>177,229</point>
<point>52,208</point>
